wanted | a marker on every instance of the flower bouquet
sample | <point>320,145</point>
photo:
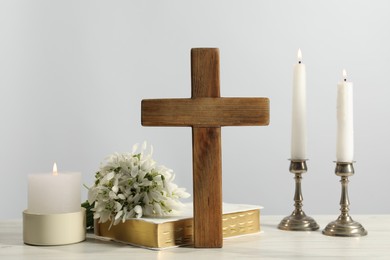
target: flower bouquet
<point>132,185</point>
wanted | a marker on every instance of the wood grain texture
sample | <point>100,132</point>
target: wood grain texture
<point>207,186</point>
<point>205,112</point>
<point>206,153</point>
<point>205,72</point>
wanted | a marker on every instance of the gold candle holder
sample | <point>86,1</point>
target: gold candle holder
<point>344,225</point>
<point>298,221</point>
<point>53,229</point>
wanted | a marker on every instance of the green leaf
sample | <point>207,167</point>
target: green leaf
<point>89,214</point>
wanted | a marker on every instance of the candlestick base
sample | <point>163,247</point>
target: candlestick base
<point>344,226</point>
<point>54,229</point>
<point>298,221</point>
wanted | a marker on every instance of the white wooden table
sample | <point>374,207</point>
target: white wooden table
<point>270,244</point>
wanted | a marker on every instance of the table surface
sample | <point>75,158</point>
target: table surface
<point>271,243</point>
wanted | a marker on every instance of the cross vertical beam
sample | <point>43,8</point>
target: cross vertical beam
<point>206,152</point>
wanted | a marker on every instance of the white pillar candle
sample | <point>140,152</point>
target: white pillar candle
<point>54,193</point>
<point>344,152</point>
<point>298,131</point>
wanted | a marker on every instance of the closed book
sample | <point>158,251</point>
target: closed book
<point>165,232</point>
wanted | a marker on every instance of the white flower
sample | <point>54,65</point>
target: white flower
<point>132,185</point>
<point>138,211</point>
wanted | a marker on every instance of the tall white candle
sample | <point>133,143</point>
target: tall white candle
<point>54,193</point>
<point>298,131</point>
<point>345,150</point>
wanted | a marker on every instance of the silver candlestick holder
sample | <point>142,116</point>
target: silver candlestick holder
<point>298,221</point>
<point>344,225</point>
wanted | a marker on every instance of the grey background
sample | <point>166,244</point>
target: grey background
<point>73,74</point>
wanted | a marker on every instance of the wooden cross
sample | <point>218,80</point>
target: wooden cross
<point>206,112</point>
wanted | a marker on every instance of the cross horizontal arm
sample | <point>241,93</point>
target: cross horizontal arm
<point>205,112</point>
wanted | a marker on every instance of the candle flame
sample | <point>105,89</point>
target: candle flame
<point>55,173</point>
<point>299,55</point>
<point>344,75</point>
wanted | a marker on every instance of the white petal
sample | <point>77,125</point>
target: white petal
<point>118,215</point>
<point>157,208</point>
<point>138,211</point>
<point>92,195</point>
<point>110,175</point>
<point>112,195</point>
<point>181,193</point>
<point>137,197</point>
<point>116,221</point>
<point>134,172</point>
<point>118,206</point>
<point>146,199</point>
<point>135,147</point>
<point>148,210</point>
<point>104,216</point>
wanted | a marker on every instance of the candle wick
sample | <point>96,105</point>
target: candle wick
<point>345,80</point>
<point>299,62</point>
